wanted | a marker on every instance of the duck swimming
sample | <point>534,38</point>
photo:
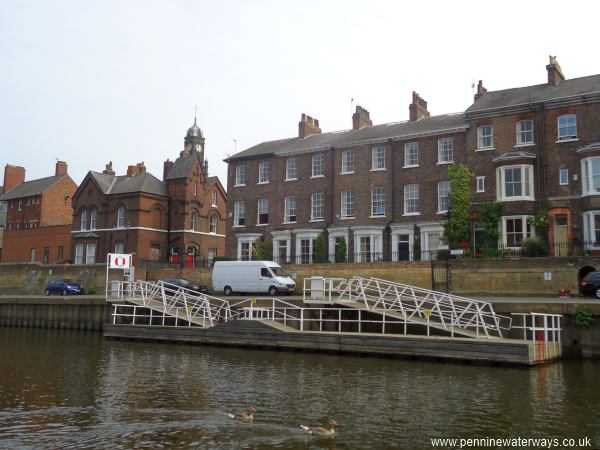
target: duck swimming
<point>247,416</point>
<point>320,431</point>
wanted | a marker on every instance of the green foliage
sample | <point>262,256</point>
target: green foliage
<point>490,214</point>
<point>541,222</point>
<point>583,318</point>
<point>533,246</point>
<point>221,258</point>
<point>91,291</point>
<point>262,250</point>
<point>458,227</point>
<point>319,250</point>
<point>340,251</point>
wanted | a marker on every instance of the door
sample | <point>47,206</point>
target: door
<point>403,248</point>
<point>561,241</point>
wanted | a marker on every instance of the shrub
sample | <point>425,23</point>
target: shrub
<point>533,247</point>
<point>583,318</point>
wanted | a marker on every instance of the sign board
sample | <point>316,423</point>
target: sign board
<point>547,276</point>
<point>443,247</point>
<point>119,261</point>
<point>457,251</point>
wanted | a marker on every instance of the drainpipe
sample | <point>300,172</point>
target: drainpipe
<point>168,227</point>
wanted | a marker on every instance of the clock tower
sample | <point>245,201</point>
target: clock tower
<point>194,141</point>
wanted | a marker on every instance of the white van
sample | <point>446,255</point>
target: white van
<point>251,276</point>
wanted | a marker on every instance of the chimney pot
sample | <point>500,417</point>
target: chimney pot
<point>109,170</point>
<point>555,74</point>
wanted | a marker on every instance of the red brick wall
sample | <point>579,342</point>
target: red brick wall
<point>18,243</point>
<point>56,208</point>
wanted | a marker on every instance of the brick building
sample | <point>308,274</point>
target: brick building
<point>38,216</point>
<point>384,189</point>
<point>180,219</point>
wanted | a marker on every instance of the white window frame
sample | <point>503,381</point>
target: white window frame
<point>79,248</point>
<point>250,239</point>
<point>347,204</point>
<point>445,150</point>
<point>411,194</point>
<point>411,154</point>
<point>522,133</point>
<point>562,129</point>
<point>347,162</point>
<point>333,234</point>
<point>240,175</point>
<point>213,224</point>
<point>443,196</point>
<point>427,230</point>
<point>193,221</point>
<point>589,231</point>
<point>263,172</point>
<point>239,213</point>
<point>563,177</point>
<point>119,247</point>
<point>291,169</point>
<point>527,227</point>
<point>480,184</point>
<point>262,207</point>
<point>318,165</point>
<point>374,236</point>
<point>278,238</point>
<point>485,137</point>
<point>90,254</point>
<point>83,220</point>
<point>93,218</point>
<point>526,174</point>
<point>378,158</point>
<point>121,217</point>
<point>290,209</point>
<point>378,201</point>
<point>588,176</point>
<point>311,236</point>
<point>214,199</point>
<point>317,206</point>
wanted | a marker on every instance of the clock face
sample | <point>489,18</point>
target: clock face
<point>198,147</point>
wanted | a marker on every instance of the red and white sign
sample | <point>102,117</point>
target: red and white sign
<point>119,261</point>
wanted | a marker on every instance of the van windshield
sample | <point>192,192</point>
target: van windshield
<point>278,271</point>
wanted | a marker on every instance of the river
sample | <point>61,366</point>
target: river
<point>62,389</point>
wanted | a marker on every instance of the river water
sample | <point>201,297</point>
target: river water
<point>75,390</point>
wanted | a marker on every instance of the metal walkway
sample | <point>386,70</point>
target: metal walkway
<point>450,313</point>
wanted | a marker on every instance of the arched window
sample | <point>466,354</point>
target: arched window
<point>93,217</point>
<point>121,217</point>
<point>83,220</point>
<point>213,223</point>
<point>194,220</point>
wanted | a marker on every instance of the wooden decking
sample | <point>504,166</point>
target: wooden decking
<point>273,335</point>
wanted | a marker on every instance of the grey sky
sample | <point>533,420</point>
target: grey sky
<point>97,81</point>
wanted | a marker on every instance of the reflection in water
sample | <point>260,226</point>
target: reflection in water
<point>66,389</point>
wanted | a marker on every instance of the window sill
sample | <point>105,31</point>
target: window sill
<point>262,182</point>
<point>411,214</point>
<point>528,144</point>
<point>378,170</point>
<point>318,176</point>
<point>479,192</point>
<point>485,149</point>
<point>380,216</point>
<point>239,185</point>
<point>316,220</point>
<point>347,173</point>
<point>517,199</point>
<point>287,223</point>
<point>563,184</point>
<point>443,163</point>
<point>347,218</point>
<point>238,226</point>
<point>291,179</point>
<point>262,224</point>
<point>560,141</point>
<point>411,167</point>
<point>442,212</point>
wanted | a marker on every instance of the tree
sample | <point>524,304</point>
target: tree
<point>262,250</point>
<point>490,214</point>
<point>319,249</point>
<point>458,227</point>
<point>340,251</point>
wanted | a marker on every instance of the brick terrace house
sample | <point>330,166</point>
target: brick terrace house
<point>38,216</point>
<point>385,189</point>
<point>180,219</point>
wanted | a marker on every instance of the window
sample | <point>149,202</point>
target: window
<point>194,221</point>
<point>378,201</point>
<point>485,137</point>
<point>61,253</point>
<point>411,199</point>
<point>480,184</point>
<point>263,172</point>
<point>79,254</point>
<point>33,255</point>
<point>119,247</point>
<point>240,175</point>
<point>567,127</point>
<point>3,207</point>
<point>93,218</point>
<point>46,254</point>
<point>515,229</point>
<point>563,176</point>
<point>90,254</point>
<point>196,189</point>
<point>305,251</point>
<point>411,154</point>
<point>246,251</point>
<point>318,165</point>
<point>445,150</point>
<point>266,273</point>
<point>212,253</point>
<point>590,169</point>
<point>121,217</point>
<point>348,161</point>
<point>20,205</point>
<point>515,183</point>
<point>378,158</point>
<point>591,229</point>
<point>317,210</point>
<point>525,132</point>
<point>213,199</point>
<point>347,204</point>
<point>239,213</point>
<point>443,196</point>
<point>155,252</point>
<point>83,220</point>
<point>213,223</point>
<point>291,169</point>
<point>263,211</point>
<point>290,209</point>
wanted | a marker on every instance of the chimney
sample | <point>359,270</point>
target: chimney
<point>132,170</point>
<point>141,167</point>
<point>13,176</point>
<point>206,167</point>
<point>61,168</point>
<point>418,108</point>
<point>109,170</point>
<point>360,118</point>
<point>308,126</point>
<point>167,166</point>
<point>555,74</point>
<point>480,91</point>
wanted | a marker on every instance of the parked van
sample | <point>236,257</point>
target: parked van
<point>251,276</point>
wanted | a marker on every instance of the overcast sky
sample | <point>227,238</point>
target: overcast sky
<point>96,81</point>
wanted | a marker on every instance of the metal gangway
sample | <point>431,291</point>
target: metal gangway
<point>450,313</point>
<point>160,303</point>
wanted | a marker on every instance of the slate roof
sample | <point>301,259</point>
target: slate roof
<point>588,148</point>
<point>183,166</point>
<point>347,138</point>
<point>30,188</point>
<point>507,156</point>
<point>122,184</point>
<point>538,93</point>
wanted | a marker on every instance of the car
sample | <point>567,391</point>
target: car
<point>187,284</point>
<point>63,287</point>
<point>590,285</point>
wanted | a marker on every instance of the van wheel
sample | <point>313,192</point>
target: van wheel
<point>64,292</point>
<point>47,292</point>
<point>598,293</point>
<point>228,291</point>
<point>273,291</point>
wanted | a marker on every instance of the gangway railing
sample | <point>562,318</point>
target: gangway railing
<point>174,301</point>
<point>452,313</point>
<point>544,332</point>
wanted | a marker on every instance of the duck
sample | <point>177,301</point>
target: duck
<point>320,431</point>
<point>247,416</point>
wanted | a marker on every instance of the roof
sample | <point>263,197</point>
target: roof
<point>139,182</point>
<point>346,138</point>
<point>588,148</point>
<point>30,188</point>
<point>538,93</point>
<point>183,165</point>
<point>520,154</point>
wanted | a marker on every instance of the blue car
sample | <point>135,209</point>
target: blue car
<point>63,287</point>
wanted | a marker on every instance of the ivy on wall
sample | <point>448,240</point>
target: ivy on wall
<point>458,228</point>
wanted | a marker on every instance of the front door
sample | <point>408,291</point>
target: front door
<point>561,242</point>
<point>403,248</point>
